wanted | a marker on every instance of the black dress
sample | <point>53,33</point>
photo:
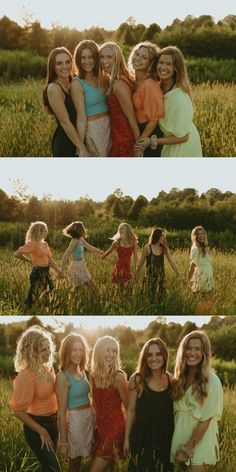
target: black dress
<point>155,273</point>
<point>62,146</point>
<point>149,152</point>
<point>151,435</point>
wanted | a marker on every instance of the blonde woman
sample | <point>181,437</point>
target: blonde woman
<point>124,127</point>
<point>150,420</point>
<point>181,137</point>
<point>109,393</point>
<point>198,403</point>
<point>200,271</point>
<point>40,258</point>
<point>89,97</point>
<point>125,245</point>
<point>78,272</point>
<point>34,400</point>
<point>147,97</point>
<point>75,412</point>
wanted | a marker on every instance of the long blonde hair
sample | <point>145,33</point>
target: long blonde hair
<point>66,348</point>
<point>129,235</point>
<point>181,75</point>
<point>199,386</point>
<point>119,67</point>
<point>36,231</point>
<point>28,348</point>
<point>104,375</point>
<point>203,247</point>
<point>152,51</point>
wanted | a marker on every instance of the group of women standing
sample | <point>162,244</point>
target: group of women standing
<point>169,419</point>
<point>109,109</point>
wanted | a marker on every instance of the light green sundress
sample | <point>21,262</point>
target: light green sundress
<point>202,279</point>
<point>178,121</point>
<point>188,412</point>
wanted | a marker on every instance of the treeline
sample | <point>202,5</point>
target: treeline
<point>175,210</point>
<point>221,333</point>
<point>196,36</point>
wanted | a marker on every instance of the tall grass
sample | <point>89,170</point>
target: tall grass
<point>107,299</point>
<point>16,456</point>
<point>26,129</point>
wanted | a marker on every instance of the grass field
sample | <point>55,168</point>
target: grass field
<point>106,299</point>
<point>15,455</point>
<point>26,128</point>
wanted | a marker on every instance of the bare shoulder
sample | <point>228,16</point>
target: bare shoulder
<point>76,85</point>
<point>120,377</point>
<point>61,379</point>
<point>54,90</point>
<point>134,379</point>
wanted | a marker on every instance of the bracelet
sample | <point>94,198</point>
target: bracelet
<point>186,452</point>
<point>154,142</point>
<point>62,444</point>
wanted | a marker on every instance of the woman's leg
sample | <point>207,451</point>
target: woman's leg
<point>47,458</point>
<point>197,468</point>
<point>99,464</point>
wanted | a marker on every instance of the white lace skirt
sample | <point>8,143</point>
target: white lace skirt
<point>98,137</point>
<point>80,429</point>
<point>78,273</point>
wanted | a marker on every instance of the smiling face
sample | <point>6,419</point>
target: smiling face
<point>193,353</point>
<point>165,67</point>
<point>106,59</point>
<point>154,359</point>
<point>87,60</point>
<point>44,351</point>
<point>63,65</point>
<point>111,353</point>
<point>200,236</point>
<point>141,59</point>
<point>77,353</point>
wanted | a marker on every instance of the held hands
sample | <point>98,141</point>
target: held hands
<point>46,440</point>
<point>82,152</point>
<point>142,143</point>
<point>126,449</point>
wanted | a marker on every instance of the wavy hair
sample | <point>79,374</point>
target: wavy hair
<point>75,229</point>
<point>51,72</point>
<point>28,348</point>
<point>199,386</point>
<point>119,67</point>
<point>155,236</point>
<point>66,349</point>
<point>36,231</point>
<point>203,247</point>
<point>129,235</point>
<point>181,75</point>
<point>143,371</point>
<point>152,51</point>
<point>79,70</point>
<point>103,374</point>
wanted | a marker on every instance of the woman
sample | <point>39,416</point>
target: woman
<point>34,400</point>
<point>88,94</point>
<point>147,97</point>
<point>198,403</point>
<point>124,128</point>
<point>154,254</point>
<point>200,271</point>
<point>75,412</point>
<point>109,393</point>
<point>181,138</point>
<point>150,420</point>
<point>66,141</point>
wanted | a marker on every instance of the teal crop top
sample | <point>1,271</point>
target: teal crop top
<point>78,252</point>
<point>78,393</point>
<point>95,101</point>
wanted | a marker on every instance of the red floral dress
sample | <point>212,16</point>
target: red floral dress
<point>121,272</point>
<point>122,136</point>
<point>110,423</point>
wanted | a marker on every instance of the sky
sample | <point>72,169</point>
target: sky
<point>93,322</point>
<point>71,179</point>
<point>104,13</point>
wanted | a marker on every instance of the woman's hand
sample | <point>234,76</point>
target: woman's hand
<point>83,152</point>
<point>126,449</point>
<point>143,143</point>
<point>46,440</point>
<point>181,457</point>
<point>63,450</point>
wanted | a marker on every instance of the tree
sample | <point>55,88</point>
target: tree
<point>137,207</point>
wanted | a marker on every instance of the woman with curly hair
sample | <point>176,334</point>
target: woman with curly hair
<point>89,97</point>
<point>124,127</point>
<point>34,399</point>
<point>150,420</point>
<point>198,404</point>
<point>75,412</point>
<point>109,396</point>
<point>200,271</point>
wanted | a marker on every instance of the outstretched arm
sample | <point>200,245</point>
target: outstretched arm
<point>110,250</point>
<point>91,248</point>
<point>21,256</point>
<point>142,259</point>
<point>68,252</point>
<point>135,255</point>
<point>171,261</point>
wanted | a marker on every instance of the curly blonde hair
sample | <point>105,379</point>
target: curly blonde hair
<point>37,231</point>
<point>152,52</point>
<point>66,348</point>
<point>129,235</point>
<point>199,386</point>
<point>103,374</point>
<point>28,348</point>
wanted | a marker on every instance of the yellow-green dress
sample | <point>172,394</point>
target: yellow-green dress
<point>178,121</point>
<point>202,278</point>
<point>188,412</point>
